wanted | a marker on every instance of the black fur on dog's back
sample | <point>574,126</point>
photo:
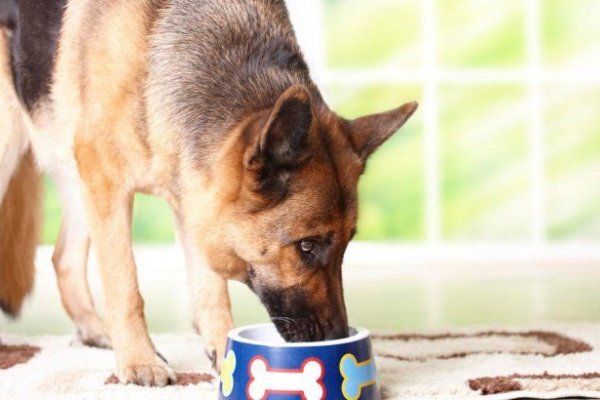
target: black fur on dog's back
<point>8,14</point>
<point>36,25</point>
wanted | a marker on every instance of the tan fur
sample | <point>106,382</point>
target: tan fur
<point>19,228</point>
<point>113,160</point>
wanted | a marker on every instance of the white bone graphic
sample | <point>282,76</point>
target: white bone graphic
<point>306,381</point>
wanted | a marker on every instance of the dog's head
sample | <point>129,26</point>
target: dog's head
<point>295,208</point>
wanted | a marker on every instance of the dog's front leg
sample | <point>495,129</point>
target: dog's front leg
<point>110,208</point>
<point>211,306</point>
<point>212,315</point>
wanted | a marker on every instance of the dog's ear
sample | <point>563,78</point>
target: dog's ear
<point>282,144</point>
<point>368,133</point>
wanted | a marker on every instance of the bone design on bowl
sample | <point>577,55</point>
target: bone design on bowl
<point>259,363</point>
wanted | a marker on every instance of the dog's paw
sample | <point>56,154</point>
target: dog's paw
<point>155,374</point>
<point>214,348</point>
<point>211,354</point>
<point>92,332</point>
<point>214,337</point>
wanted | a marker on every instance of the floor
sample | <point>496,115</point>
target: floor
<point>384,291</point>
<point>553,361</point>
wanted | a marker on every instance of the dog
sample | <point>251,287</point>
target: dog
<point>207,104</point>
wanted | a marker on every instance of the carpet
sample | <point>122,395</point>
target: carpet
<point>552,361</point>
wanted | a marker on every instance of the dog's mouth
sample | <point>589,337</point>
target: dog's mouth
<point>294,317</point>
<point>299,329</point>
<point>308,329</point>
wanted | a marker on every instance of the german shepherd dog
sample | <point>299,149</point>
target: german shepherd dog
<point>207,104</point>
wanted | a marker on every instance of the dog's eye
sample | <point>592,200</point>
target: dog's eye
<point>307,246</point>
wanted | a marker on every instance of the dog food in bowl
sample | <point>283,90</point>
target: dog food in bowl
<point>259,364</point>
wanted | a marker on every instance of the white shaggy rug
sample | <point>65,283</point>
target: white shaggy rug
<point>553,361</point>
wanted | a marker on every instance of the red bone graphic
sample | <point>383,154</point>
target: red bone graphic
<point>307,381</point>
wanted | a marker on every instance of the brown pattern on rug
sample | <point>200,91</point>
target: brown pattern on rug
<point>561,343</point>
<point>515,382</point>
<point>13,355</point>
<point>183,379</point>
<point>84,374</point>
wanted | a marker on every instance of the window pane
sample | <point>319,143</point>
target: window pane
<point>52,213</point>
<point>481,33</point>
<point>152,220</point>
<point>484,162</point>
<point>391,190</point>
<point>571,32</point>
<point>373,33</point>
<point>573,161</point>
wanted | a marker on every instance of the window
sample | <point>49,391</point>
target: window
<point>506,145</point>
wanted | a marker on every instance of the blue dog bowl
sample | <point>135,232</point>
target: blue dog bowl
<point>259,364</point>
